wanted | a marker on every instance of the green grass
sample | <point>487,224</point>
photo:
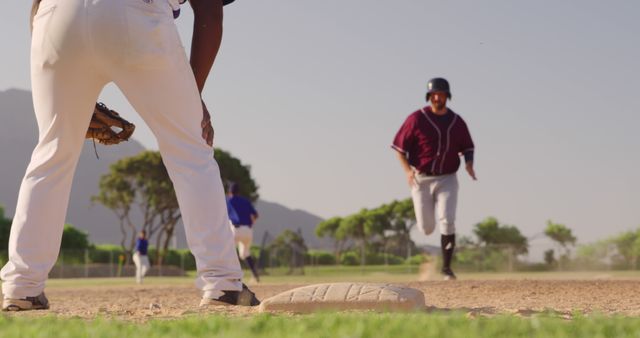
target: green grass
<point>329,325</point>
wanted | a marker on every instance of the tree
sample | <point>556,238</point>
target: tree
<point>74,244</point>
<point>290,247</point>
<point>232,170</point>
<point>549,257</point>
<point>562,235</point>
<point>492,233</point>
<point>142,181</point>
<point>329,228</point>
<point>628,247</point>
<point>74,239</point>
<point>498,239</point>
<point>5,229</point>
<point>386,228</point>
<point>401,222</point>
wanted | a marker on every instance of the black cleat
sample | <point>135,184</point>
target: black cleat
<point>448,274</point>
<point>39,302</point>
<point>244,298</point>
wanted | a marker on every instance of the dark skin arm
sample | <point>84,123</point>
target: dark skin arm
<point>207,36</point>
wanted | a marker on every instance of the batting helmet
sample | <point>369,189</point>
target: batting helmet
<point>438,84</point>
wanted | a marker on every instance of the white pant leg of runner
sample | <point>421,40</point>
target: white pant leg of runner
<point>435,199</point>
<point>446,203</point>
<point>423,203</point>
<point>243,236</point>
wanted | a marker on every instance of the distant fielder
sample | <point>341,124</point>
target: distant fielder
<point>242,216</point>
<point>140,257</point>
<point>429,146</point>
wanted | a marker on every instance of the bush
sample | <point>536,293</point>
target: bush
<point>416,259</point>
<point>350,258</point>
<point>371,258</point>
<point>106,253</point>
<point>314,257</point>
<point>376,258</point>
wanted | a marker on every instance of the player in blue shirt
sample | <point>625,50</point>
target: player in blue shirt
<point>140,258</point>
<point>242,216</point>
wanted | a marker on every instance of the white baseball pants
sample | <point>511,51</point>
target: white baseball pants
<point>243,235</point>
<point>78,47</point>
<point>142,266</point>
<point>435,199</point>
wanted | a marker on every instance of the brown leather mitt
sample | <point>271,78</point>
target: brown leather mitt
<point>107,127</point>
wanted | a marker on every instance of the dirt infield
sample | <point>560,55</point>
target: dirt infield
<point>474,297</point>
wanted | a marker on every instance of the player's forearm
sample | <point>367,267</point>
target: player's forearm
<point>207,36</point>
<point>468,156</point>
<point>404,162</point>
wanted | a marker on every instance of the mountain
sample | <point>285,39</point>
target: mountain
<point>275,218</point>
<point>18,136</point>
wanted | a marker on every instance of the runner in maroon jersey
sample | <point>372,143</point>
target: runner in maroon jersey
<point>429,146</point>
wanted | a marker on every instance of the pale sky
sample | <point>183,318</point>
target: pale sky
<point>311,93</point>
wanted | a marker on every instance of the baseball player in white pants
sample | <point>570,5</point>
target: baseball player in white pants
<point>429,144</point>
<point>77,48</point>
<point>242,216</point>
<point>141,257</point>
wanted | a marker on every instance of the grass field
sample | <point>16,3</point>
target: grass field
<point>445,321</point>
<point>329,325</point>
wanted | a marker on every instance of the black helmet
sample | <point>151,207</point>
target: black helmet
<point>438,84</point>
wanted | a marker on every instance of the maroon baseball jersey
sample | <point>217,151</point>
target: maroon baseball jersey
<point>433,143</point>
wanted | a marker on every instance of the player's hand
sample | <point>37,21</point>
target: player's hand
<point>411,178</point>
<point>207,128</point>
<point>472,173</point>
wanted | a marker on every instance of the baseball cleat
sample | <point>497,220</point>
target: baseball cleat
<point>244,298</point>
<point>448,274</point>
<point>39,302</point>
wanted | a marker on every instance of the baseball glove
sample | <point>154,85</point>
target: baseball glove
<point>102,125</point>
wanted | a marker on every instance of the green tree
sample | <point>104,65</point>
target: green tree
<point>329,228</point>
<point>74,239</point>
<point>491,233</point>
<point>593,255</point>
<point>394,223</point>
<point>549,257</point>
<point>499,242</point>
<point>232,170</point>
<point>385,229</point>
<point>290,249</point>
<point>357,227</point>
<point>142,181</point>
<point>563,237</point>
<point>5,229</point>
<point>628,247</point>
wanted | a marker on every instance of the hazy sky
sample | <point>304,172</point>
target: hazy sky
<point>311,93</point>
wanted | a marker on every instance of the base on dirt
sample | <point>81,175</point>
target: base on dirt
<point>345,297</point>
